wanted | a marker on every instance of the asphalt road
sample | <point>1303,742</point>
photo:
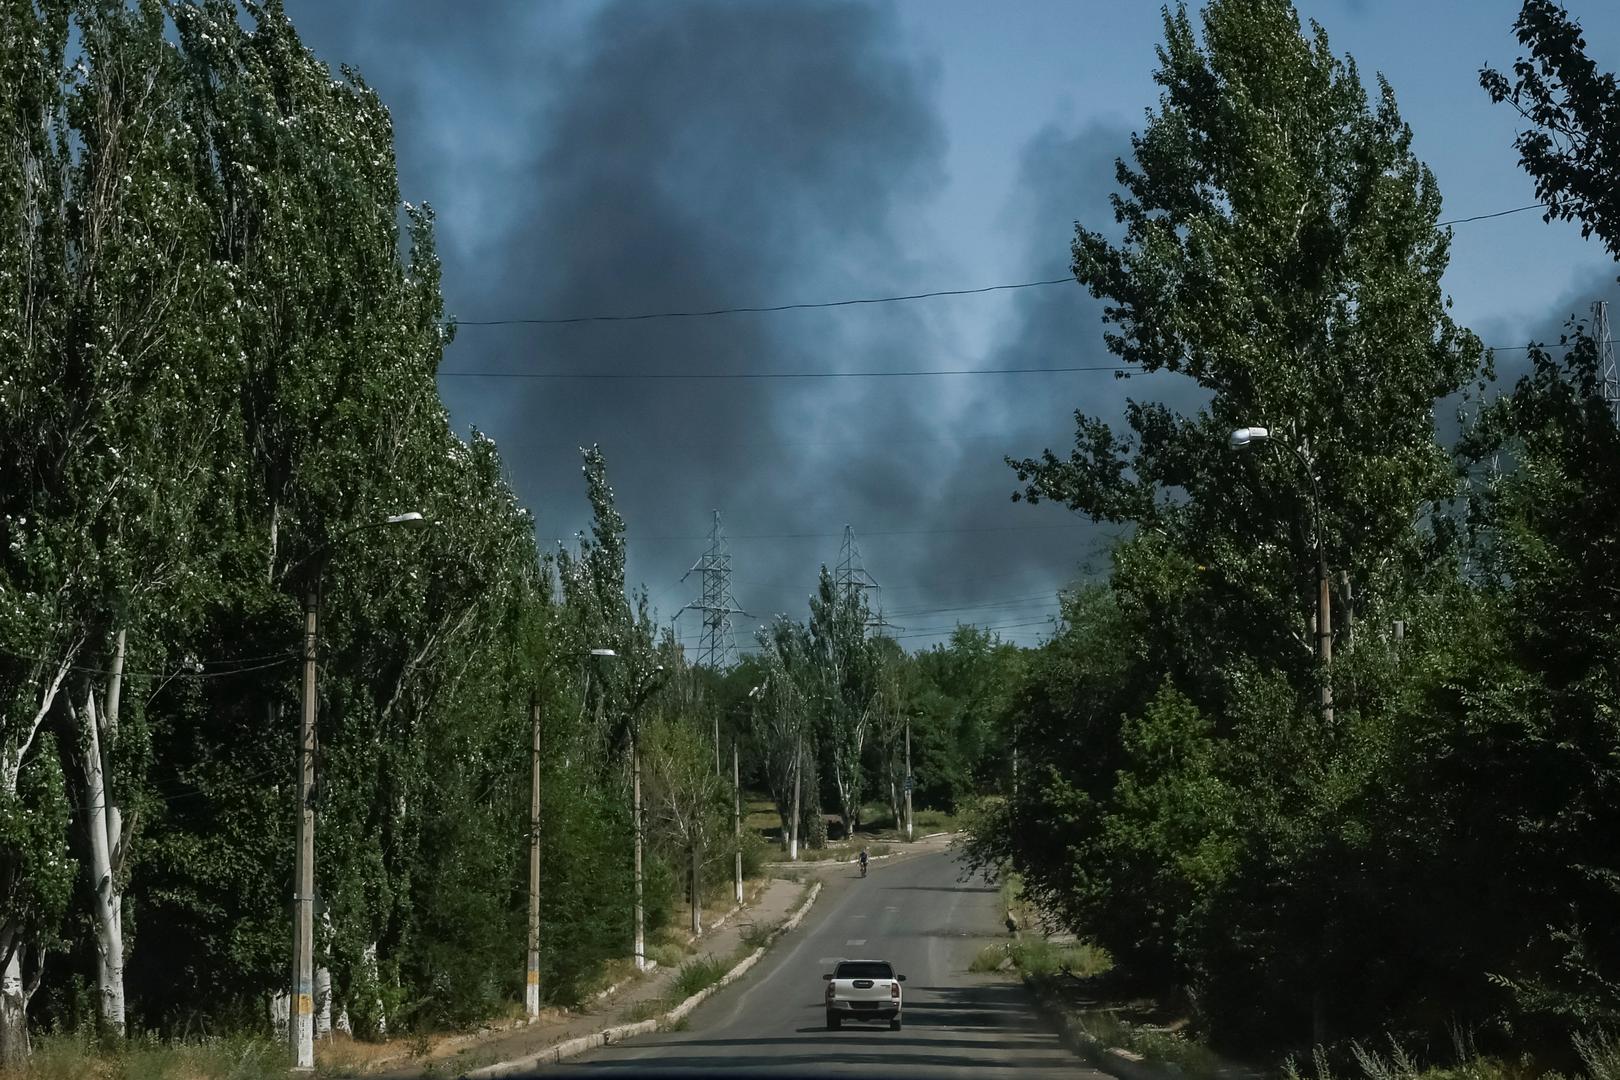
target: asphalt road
<point>912,912</point>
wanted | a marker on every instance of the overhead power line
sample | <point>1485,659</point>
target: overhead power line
<point>894,532</point>
<point>642,316</point>
<point>913,373</point>
<point>1487,217</point>
<point>1127,369</point>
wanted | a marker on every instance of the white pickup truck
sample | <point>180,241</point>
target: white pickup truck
<point>863,990</point>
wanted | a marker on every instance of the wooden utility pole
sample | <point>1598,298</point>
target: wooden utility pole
<point>736,819</point>
<point>302,1028</point>
<point>531,983</point>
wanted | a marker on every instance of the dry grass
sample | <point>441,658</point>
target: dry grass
<point>78,1057</point>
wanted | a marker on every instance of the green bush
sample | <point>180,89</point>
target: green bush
<point>696,974</point>
<point>666,954</point>
<point>756,851</point>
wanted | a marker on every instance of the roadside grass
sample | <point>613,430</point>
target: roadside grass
<point>1598,1051</point>
<point>1154,1044</point>
<point>699,973</point>
<point>667,954</point>
<point>608,973</point>
<point>695,975</point>
<point>1038,956</point>
<point>1050,966</point>
<point>645,1010</point>
<point>81,1056</point>
<point>877,821</point>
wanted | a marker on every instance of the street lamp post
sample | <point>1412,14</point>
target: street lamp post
<point>1246,436</point>
<point>302,1021</point>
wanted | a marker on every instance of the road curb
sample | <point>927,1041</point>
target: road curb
<point>1123,1064</point>
<point>681,1011</point>
<point>568,1048</point>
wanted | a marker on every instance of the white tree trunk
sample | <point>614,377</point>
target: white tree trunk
<point>280,1012</point>
<point>13,1010</point>
<point>368,961</point>
<point>323,1002</point>
<point>697,895</point>
<point>106,852</point>
<point>323,980</point>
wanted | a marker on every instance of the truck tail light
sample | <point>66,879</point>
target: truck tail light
<point>894,991</point>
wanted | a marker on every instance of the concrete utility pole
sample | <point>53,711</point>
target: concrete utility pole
<point>736,817</point>
<point>531,982</point>
<point>908,780</point>
<point>793,823</point>
<point>635,804</point>
<point>302,1027</point>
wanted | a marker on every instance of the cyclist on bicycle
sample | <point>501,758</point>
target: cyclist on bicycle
<point>863,861</point>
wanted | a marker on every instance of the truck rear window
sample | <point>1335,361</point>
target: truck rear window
<point>863,969</point>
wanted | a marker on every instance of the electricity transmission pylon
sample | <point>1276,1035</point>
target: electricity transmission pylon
<point>717,647</point>
<point>850,578</point>
<point>1608,374</point>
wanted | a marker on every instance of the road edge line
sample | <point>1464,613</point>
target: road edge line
<point>684,1009</point>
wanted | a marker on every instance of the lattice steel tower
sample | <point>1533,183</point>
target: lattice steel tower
<point>1608,375</point>
<point>717,646</point>
<point>850,577</point>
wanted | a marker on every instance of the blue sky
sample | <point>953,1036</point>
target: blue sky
<point>630,155</point>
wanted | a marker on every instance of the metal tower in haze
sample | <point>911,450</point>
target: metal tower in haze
<point>717,647</point>
<point>850,577</point>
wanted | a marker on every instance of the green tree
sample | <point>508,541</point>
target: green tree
<point>846,667</point>
<point>1571,149</point>
<point>1180,795</point>
<point>1280,250</point>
